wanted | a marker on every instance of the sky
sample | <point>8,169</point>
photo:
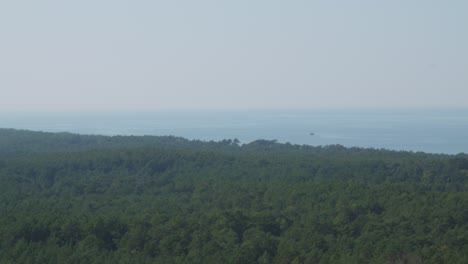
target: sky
<point>108,55</point>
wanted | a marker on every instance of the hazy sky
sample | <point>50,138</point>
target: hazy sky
<point>148,55</point>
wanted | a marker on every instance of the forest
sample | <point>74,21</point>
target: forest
<point>69,198</point>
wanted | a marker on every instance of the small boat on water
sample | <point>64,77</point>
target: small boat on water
<point>312,133</point>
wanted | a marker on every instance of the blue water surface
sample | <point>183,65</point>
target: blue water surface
<point>436,131</point>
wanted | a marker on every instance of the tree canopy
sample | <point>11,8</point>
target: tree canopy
<point>67,198</point>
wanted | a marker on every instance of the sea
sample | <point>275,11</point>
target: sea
<point>427,130</point>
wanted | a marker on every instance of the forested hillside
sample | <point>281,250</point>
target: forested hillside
<point>67,198</point>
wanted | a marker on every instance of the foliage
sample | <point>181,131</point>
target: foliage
<point>68,198</point>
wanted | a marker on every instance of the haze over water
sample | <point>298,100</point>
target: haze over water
<point>436,131</point>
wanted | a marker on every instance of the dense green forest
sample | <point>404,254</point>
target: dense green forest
<point>67,198</point>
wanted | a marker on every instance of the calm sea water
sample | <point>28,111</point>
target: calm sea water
<point>437,131</point>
